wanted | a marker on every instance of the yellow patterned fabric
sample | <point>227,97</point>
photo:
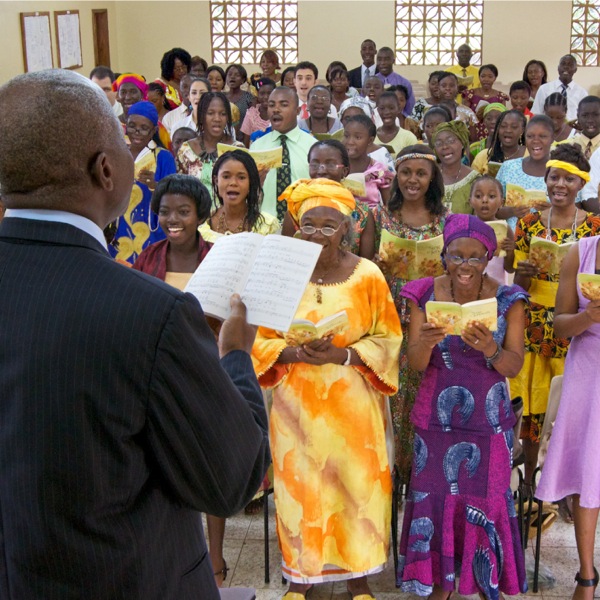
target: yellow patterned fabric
<point>327,426</point>
<point>545,354</point>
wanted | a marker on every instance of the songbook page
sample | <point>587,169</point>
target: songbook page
<point>281,272</point>
<point>224,272</point>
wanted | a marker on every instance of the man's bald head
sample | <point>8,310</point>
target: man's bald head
<point>50,141</point>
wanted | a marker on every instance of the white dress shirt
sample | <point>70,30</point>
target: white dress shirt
<point>363,72</point>
<point>575,94</point>
<point>590,189</point>
<point>174,116</point>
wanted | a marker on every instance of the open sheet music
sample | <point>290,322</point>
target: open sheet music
<point>269,272</point>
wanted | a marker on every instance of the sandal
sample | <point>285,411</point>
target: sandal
<point>547,521</point>
<point>254,507</point>
<point>298,595</point>
<point>587,582</point>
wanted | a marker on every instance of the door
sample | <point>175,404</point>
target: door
<point>101,44</point>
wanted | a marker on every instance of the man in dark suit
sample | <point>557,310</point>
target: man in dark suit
<point>118,420</point>
<point>358,76</point>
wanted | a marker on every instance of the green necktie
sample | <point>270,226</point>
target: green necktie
<point>284,177</point>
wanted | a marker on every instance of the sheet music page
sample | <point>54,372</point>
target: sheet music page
<point>281,272</point>
<point>224,272</point>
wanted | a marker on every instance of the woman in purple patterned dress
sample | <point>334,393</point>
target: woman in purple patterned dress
<point>460,521</point>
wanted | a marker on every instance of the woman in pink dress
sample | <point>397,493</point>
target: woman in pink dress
<point>571,466</point>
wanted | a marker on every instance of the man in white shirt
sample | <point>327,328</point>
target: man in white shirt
<point>305,78</point>
<point>358,76</point>
<point>588,119</point>
<point>589,193</point>
<point>567,67</point>
<point>103,77</point>
<point>179,113</point>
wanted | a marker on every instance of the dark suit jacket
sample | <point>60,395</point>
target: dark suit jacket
<point>118,424</point>
<point>355,76</point>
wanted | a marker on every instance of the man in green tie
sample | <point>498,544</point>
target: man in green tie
<point>283,111</point>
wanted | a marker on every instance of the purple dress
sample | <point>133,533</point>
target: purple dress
<point>571,465</point>
<point>460,520</point>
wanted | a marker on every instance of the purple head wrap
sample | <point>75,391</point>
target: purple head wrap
<point>469,226</point>
<point>144,109</point>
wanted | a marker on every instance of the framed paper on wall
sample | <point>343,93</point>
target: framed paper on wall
<point>36,41</point>
<point>68,39</point>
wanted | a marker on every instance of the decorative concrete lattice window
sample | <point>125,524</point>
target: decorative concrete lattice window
<point>585,32</point>
<point>243,29</point>
<point>429,32</point>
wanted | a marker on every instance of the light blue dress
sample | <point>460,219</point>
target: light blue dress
<point>512,172</point>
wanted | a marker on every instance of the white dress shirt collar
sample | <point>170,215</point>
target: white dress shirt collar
<point>59,216</point>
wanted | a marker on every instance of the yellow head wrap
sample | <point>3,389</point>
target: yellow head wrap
<point>561,164</point>
<point>305,194</point>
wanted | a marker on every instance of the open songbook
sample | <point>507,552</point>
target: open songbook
<point>269,272</point>
<point>519,196</point>
<point>411,259</point>
<point>355,184</point>
<point>146,163</point>
<point>589,284</point>
<point>493,166</point>
<point>303,331</point>
<point>547,255</point>
<point>264,159</point>
<point>465,81</point>
<point>500,228</point>
<point>456,317</point>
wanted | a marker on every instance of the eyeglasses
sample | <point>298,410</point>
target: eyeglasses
<point>472,262</point>
<point>453,141</point>
<point>326,166</point>
<point>327,231</point>
<point>142,130</point>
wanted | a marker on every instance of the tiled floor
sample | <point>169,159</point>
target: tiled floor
<point>244,553</point>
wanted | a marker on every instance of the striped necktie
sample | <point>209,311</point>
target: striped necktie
<point>563,91</point>
<point>366,76</point>
<point>284,177</point>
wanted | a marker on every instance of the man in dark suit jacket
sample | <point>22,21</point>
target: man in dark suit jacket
<point>358,76</point>
<point>118,420</point>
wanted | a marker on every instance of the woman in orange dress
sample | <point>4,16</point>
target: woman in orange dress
<point>333,488</point>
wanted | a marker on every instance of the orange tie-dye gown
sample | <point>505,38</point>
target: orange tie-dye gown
<point>331,471</point>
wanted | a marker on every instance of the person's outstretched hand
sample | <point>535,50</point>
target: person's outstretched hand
<point>235,333</point>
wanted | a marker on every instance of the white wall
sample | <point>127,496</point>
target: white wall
<point>140,31</point>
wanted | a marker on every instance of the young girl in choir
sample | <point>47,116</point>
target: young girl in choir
<point>182,203</point>
<point>359,134</point>
<point>486,198</point>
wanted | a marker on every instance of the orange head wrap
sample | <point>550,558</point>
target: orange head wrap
<point>305,194</point>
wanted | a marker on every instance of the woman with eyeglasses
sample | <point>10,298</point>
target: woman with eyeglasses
<point>562,222</point>
<point>460,530</point>
<point>329,159</point>
<point>328,422</point>
<point>138,227</point>
<point>451,144</point>
<point>415,212</point>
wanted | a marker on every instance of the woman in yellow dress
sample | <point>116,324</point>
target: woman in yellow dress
<point>333,488</point>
